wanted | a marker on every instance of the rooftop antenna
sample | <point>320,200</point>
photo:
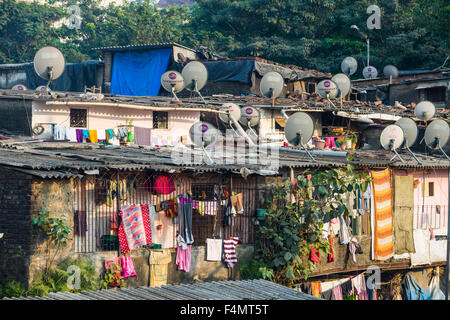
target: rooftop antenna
<point>392,138</point>
<point>370,72</point>
<point>49,64</point>
<point>344,84</point>
<point>365,37</point>
<point>390,72</point>
<point>250,117</point>
<point>299,129</point>
<point>437,134</point>
<point>410,132</point>
<point>425,110</point>
<point>195,77</point>
<point>349,66</point>
<point>172,81</point>
<point>328,89</point>
<point>203,134</point>
<point>19,87</point>
<point>232,117</point>
<point>271,85</point>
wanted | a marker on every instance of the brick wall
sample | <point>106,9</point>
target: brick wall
<point>15,224</point>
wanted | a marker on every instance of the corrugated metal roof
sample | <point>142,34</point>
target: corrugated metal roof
<point>217,290</point>
<point>143,46</point>
<point>66,160</point>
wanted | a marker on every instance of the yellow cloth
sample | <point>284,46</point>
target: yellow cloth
<point>403,214</point>
<point>383,235</point>
<point>93,136</point>
<point>201,207</point>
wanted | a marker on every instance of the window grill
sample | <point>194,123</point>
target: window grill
<point>160,120</point>
<point>78,118</point>
<point>97,200</point>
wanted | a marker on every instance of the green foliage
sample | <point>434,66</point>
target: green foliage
<point>294,221</point>
<point>55,279</point>
<point>254,269</point>
<point>12,288</point>
<point>56,229</point>
<point>313,34</point>
<point>113,277</point>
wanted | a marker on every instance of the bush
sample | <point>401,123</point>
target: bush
<point>12,288</point>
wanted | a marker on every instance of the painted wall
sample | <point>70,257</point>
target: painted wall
<point>429,203</point>
<point>100,117</point>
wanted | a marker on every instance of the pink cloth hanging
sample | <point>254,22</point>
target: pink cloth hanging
<point>127,267</point>
<point>135,229</point>
<point>330,142</point>
<point>183,259</point>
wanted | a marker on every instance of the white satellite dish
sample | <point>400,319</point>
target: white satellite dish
<point>349,66</point>
<point>370,72</point>
<point>19,87</point>
<point>327,89</point>
<point>195,76</point>
<point>250,117</point>
<point>172,81</point>
<point>437,135</point>
<point>410,132</point>
<point>49,64</point>
<point>424,110</point>
<point>40,88</point>
<point>390,71</point>
<point>203,134</point>
<point>271,85</point>
<point>343,82</point>
<point>299,129</point>
<point>392,138</point>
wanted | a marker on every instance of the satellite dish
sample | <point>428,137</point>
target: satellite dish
<point>271,85</point>
<point>410,132</point>
<point>327,89</point>
<point>195,76</point>
<point>392,138</point>
<point>370,72</point>
<point>299,129</point>
<point>390,71</point>
<point>232,109</point>
<point>19,87</point>
<point>343,82</point>
<point>203,134</point>
<point>437,134</point>
<point>249,116</point>
<point>49,64</point>
<point>172,81</point>
<point>424,110</point>
<point>41,88</point>
<point>349,66</point>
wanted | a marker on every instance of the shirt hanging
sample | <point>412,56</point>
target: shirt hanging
<point>229,251</point>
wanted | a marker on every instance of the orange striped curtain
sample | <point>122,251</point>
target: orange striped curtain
<point>384,238</point>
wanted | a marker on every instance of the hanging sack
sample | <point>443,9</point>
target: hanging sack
<point>127,267</point>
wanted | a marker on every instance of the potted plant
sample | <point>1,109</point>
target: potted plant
<point>113,277</point>
<point>354,141</point>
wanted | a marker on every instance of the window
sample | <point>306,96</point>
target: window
<point>436,94</point>
<point>428,189</point>
<point>160,120</point>
<point>311,87</point>
<point>78,118</point>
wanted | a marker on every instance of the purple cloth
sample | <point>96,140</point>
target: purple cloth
<point>142,136</point>
<point>79,135</point>
<point>337,293</point>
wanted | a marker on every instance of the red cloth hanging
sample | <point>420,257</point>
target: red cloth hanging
<point>331,255</point>
<point>315,255</point>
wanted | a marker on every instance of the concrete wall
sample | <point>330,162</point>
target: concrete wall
<point>100,117</point>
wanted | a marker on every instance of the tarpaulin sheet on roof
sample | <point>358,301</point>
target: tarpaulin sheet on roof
<point>139,73</point>
<point>74,77</point>
<point>241,71</point>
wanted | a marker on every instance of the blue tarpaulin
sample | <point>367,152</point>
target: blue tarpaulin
<point>139,73</point>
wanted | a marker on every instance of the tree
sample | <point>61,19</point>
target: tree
<point>317,34</point>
